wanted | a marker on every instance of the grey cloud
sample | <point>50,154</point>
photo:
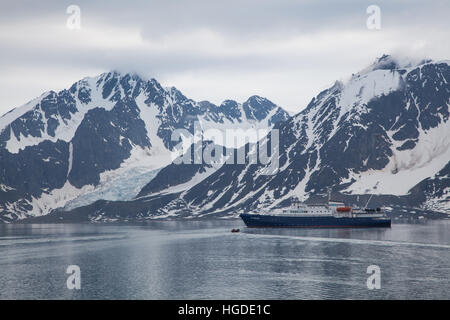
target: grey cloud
<point>253,25</point>
<point>237,17</point>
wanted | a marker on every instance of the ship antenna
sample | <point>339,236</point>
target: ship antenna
<point>368,201</point>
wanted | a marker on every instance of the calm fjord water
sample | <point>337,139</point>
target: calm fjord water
<point>204,260</point>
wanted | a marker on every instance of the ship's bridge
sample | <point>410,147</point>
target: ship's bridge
<point>298,207</point>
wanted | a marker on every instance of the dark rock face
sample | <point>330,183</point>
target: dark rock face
<point>99,145</point>
<point>44,118</point>
<point>63,141</point>
<point>32,171</point>
<point>434,191</point>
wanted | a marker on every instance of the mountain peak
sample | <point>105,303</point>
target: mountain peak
<point>257,99</point>
<point>391,62</point>
<point>123,74</point>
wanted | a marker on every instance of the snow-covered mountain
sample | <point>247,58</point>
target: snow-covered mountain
<point>385,131</point>
<point>103,138</point>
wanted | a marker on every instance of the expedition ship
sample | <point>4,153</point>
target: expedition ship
<point>330,215</point>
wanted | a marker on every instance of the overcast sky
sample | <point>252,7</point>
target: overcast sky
<point>284,50</point>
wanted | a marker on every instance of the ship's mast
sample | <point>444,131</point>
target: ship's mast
<point>368,201</point>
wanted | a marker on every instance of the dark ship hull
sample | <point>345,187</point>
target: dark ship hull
<point>277,221</point>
